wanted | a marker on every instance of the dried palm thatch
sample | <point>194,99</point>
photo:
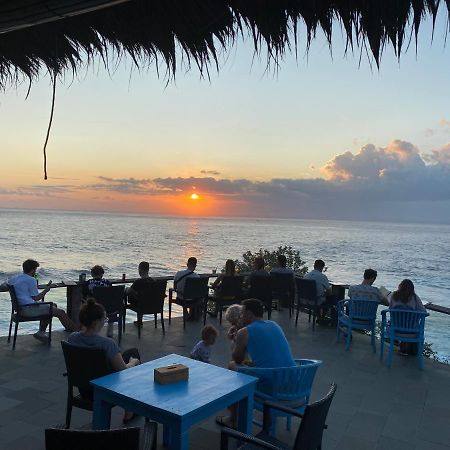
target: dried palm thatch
<point>64,35</point>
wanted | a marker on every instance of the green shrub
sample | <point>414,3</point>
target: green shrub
<point>294,261</point>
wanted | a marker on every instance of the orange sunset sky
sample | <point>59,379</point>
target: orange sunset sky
<point>316,139</point>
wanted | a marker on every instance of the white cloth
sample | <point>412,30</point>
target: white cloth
<point>365,292</point>
<point>414,302</point>
<point>182,275</point>
<point>322,283</point>
<point>25,287</point>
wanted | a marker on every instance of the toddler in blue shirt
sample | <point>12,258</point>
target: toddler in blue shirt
<point>202,350</point>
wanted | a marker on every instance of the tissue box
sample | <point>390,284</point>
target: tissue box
<point>171,374</point>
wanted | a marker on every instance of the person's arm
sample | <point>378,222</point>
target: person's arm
<point>240,346</point>
<point>117,362</point>
<point>420,306</point>
<point>217,282</point>
<point>326,285</point>
<point>41,295</point>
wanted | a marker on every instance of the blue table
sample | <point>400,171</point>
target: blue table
<point>179,405</point>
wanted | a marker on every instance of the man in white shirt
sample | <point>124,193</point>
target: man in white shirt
<point>28,297</point>
<point>179,281</point>
<point>324,294</point>
<point>365,290</point>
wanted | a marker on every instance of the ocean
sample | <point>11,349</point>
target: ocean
<point>69,243</point>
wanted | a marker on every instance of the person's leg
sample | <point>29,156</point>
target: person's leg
<point>231,420</point>
<point>37,310</point>
<point>65,320</point>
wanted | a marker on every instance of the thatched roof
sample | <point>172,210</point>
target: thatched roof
<point>61,35</point>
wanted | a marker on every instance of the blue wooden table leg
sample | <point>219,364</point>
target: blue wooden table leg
<point>166,436</point>
<point>245,417</point>
<point>101,418</point>
<point>179,437</point>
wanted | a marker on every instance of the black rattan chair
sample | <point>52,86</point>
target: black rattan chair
<point>149,301</point>
<point>283,289</point>
<point>195,293</point>
<point>309,434</point>
<point>229,292</point>
<point>307,299</point>
<point>17,317</point>
<point>83,364</point>
<point>113,299</point>
<point>121,439</point>
<point>261,289</point>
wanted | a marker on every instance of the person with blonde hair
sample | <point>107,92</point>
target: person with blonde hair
<point>233,315</point>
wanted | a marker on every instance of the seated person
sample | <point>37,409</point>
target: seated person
<point>405,297</point>
<point>97,280</point>
<point>180,277</point>
<point>137,287</point>
<point>179,282</point>
<point>233,315</point>
<point>259,271</point>
<point>282,266</point>
<point>28,296</point>
<point>325,298</point>
<point>265,343</point>
<point>92,319</point>
<point>365,290</point>
<point>230,271</point>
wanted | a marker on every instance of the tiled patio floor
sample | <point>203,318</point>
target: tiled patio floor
<point>374,407</point>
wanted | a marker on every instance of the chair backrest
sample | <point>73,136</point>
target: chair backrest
<point>363,309</point>
<point>306,290</point>
<point>151,297</point>
<point>286,383</point>
<point>196,288</point>
<point>111,297</point>
<point>231,286</point>
<point>404,320</point>
<point>14,301</point>
<point>261,288</point>
<point>282,283</point>
<point>125,438</point>
<point>84,364</point>
<point>309,435</point>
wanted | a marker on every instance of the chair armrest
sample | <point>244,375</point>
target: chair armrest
<point>268,405</point>
<point>228,432</point>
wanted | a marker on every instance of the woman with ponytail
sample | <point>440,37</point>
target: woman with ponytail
<point>92,319</point>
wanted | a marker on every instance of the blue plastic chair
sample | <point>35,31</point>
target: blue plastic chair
<point>405,325</point>
<point>289,386</point>
<point>361,316</point>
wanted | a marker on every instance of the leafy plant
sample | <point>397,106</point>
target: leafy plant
<point>294,261</point>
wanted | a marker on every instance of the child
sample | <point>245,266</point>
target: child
<point>202,350</point>
<point>233,316</point>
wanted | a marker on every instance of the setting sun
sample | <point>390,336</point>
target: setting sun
<point>195,196</point>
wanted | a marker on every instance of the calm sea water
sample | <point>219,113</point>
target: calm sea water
<point>68,243</point>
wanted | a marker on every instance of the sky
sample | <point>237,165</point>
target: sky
<point>325,136</point>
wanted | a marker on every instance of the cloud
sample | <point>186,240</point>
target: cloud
<point>39,191</point>
<point>210,172</point>
<point>445,124</point>
<point>395,182</point>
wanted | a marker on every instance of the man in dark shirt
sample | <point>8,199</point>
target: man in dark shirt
<point>136,288</point>
<point>97,280</point>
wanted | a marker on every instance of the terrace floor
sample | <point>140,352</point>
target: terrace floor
<point>374,407</point>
